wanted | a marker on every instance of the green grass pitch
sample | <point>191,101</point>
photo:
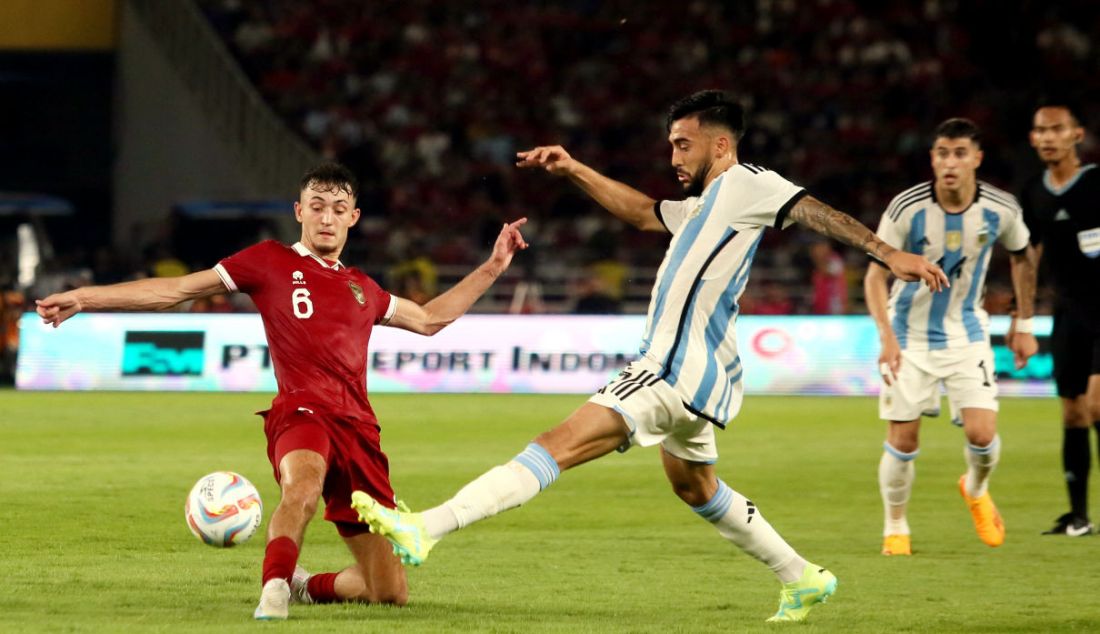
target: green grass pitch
<point>92,536</point>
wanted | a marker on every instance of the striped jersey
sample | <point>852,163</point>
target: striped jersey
<point>689,330</point>
<point>961,244</point>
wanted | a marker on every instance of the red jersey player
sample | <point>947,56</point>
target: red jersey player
<point>322,435</point>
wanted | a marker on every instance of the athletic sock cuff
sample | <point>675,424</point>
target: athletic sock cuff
<point>993,444</point>
<point>900,455</point>
<point>713,510</point>
<point>539,462</point>
<point>280,557</point>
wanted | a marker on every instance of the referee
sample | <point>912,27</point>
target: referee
<point>1062,211</point>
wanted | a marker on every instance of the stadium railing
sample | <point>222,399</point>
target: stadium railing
<point>271,151</point>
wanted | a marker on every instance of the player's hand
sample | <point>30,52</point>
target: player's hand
<point>911,267</point>
<point>1023,345</point>
<point>508,242</point>
<point>552,158</point>
<point>889,360</point>
<point>58,307</point>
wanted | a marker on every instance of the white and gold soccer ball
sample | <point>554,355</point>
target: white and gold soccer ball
<point>223,509</point>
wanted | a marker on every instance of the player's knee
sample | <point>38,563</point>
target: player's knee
<point>303,497</point>
<point>392,593</point>
<point>981,437</point>
<point>905,437</point>
<point>1077,417</point>
<point>1093,411</point>
<point>391,596</point>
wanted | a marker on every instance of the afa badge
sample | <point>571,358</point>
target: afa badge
<point>357,291</point>
<point>953,240</point>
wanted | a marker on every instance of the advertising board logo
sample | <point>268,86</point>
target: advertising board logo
<point>162,353</point>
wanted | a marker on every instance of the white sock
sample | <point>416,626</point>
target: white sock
<point>738,520</point>
<point>497,490</point>
<point>981,461</point>
<point>896,472</point>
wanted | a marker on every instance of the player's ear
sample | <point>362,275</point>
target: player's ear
<point>1079,135</point>
<point>354,217</point>
<point>979,155</point>
<point>298,211</point>
<point>722,145</point>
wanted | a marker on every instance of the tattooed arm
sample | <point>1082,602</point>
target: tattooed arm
<point>840,226</point>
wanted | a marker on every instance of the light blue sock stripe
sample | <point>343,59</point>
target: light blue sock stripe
<point>713,510</point>
<point>900,455</point>
<point>988,449</point>
<point>540,463</point>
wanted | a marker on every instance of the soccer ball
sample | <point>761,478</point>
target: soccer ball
<point>223,509</point>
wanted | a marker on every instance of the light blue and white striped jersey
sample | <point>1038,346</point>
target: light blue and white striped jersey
<point>961,244</point>
<point>689,329</point>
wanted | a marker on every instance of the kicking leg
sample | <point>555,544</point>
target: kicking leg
<point>590,432</point>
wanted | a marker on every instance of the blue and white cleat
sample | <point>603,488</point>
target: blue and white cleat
<point>798,597</point>
<point>403,529</point>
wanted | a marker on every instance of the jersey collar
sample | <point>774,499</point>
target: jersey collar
<point>304,251</point>
<point>1048,182</point>
<point>977,195</point>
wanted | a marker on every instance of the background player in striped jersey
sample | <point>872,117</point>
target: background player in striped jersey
<point>689,377</point>
<point>1062,209</point>
<point>928,338</point>
<point>322,434</point>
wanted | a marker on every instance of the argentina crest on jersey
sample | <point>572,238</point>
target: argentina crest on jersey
<point>953,240</point>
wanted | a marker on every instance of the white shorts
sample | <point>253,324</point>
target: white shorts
<point>966,372</point>
<point>655,414</point>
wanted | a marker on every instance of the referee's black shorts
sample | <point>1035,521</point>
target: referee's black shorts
<point>1075,347</point>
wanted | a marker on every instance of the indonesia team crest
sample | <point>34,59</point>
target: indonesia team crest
<point>358,292</point>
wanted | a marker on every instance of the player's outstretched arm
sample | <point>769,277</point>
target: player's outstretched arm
<point>437,313</point>
<point>622,200</point>
<point>158,293</point>
<point>1024,274</point>
<point>877,295</point>
<point>840,226</point>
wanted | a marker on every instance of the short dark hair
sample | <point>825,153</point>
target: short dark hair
<point>712,107</point>
<point>958,128</point>
<point>1069,104</point>
<point>331,177</point>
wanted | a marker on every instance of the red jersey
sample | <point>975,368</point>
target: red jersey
<point>318,319</point>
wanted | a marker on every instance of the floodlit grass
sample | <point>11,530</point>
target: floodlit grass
<point>92,536</point>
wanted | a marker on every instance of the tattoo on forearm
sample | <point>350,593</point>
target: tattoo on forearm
<point>838,225</point>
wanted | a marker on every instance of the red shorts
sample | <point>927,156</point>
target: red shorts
<point>353,457</point>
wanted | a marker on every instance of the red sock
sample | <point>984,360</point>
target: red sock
<point>322,588</point>
<point>279,559</point>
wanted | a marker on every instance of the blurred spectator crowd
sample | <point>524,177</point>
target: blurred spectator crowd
<point>428,102</point>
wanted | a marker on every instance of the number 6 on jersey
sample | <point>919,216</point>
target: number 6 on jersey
<point>303,308</point>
